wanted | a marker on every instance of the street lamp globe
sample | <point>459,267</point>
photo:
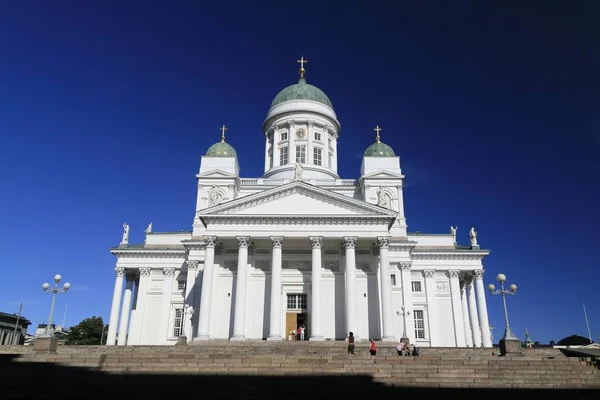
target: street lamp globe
<point>66,286</point>
<point>45,286</point>
<point>57,278</point>
<point>513,288</point>
<point>501,278</point>
<point>491,287</point>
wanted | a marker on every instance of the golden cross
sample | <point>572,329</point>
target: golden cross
<point>302,61</point>
<point>378,129</point>
<point>223,129</point>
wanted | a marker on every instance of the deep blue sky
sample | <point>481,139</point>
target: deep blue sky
<point>107,106</point>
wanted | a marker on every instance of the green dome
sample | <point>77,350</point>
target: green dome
<point>302,91</point>
<point>221,149</point>
<point>379,149</point>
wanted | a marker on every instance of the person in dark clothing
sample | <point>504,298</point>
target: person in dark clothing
<point>351,343</point>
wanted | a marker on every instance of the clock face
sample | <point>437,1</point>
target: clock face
<point>300,133</point>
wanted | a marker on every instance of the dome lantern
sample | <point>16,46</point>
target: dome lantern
<point>222,148</point>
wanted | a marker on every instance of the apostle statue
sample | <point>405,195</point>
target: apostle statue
<point>125,239</point>
<point>149,228</point>
<point>214,197</point>
<point>383,200</point>
<point>298,169</point>
<point>473,236</point>
<point>453,230</point>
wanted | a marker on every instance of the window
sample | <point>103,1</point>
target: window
<point>419,323</point>
<point>317,135</point>
<point>301,154</point>
<point>318,156</point>
<point>416,286</point>
<point>178,323</point>
<point>296,302</point>
<point>393,277</point>
<point>283,135</point>
<point>283,155</point>
<point>181,286</point>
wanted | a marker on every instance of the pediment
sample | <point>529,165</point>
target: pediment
<point>383,174</point>
<point>297,199</point>
<point>216,174</point>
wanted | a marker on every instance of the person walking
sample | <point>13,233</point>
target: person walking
<point>372,347</point>
<point>351,343</point>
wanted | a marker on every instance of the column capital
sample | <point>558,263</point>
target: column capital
<point>316,242</point>
<point>243,241</point>
<point>383,242</point>
<point>192,264</point>
<point>169,271</point>
<point>144,271</point>
<point>210,241</point>
<point>453,273</point>
<point>405,265</point>
<point>120,272</point>
<point>310,123</point>
<point>429,273</point>
<point>478,274</point>
<point>350,242</point>
<point>276,241</point>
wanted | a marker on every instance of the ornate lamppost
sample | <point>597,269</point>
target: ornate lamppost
<point>404,313</point>
<point>48,342</point>
<point>509,343</point>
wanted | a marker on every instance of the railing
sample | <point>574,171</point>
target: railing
<point>279,181</point>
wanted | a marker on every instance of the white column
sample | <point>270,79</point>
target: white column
<point>316,332</point>
<point>465,314</point>
<point>350,244</point>
<point>239,314</point>
<point>407,319</point>
<point>275,307</point>
<point>459,329</point>
<point>124,323</point>
<point>136,330</point>
<point>484,323</point>
<point>267,166</point>
<point>114,309</point>
<point>206,293</point>
<point>190,281</point>
<point>431,308</point>
<point>387,313</point>
<point>473,313</point>
<point>169,273</point>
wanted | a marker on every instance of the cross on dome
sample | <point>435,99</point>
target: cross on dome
<point>223,129</point>
<point>301,61</point>
<point>378,129</point>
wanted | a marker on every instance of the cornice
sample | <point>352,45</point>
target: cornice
<point>449,255</point>
<point>402,246</point>
<point>149,253</point>
<point>297,219</point>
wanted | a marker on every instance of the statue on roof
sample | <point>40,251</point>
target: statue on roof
<point>383,200</point>
<point>149,228</point>
<point>473,236</point>
<point>298,170</point>
<point>453,230</point>
<point>125,239</point>
<point>214,197</point>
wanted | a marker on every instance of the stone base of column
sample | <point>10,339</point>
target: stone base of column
<point>388,339</point>
<point>238,338</point>
<point>316,338</point>
<point>510,346</point>
<point>275,338</point>
<point>46,344</point>
<point>201,338</point>
<point>181,341</point>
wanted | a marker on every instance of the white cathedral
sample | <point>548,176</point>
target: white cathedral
<point>299,246</point>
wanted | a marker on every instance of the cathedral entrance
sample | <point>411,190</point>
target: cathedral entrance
<point>296,316</point>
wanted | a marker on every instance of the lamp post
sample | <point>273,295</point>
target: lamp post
<point>54,290</point>
<point>509,343</point>
<point>404,313</point>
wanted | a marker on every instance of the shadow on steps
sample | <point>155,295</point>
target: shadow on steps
<point>40,380</point>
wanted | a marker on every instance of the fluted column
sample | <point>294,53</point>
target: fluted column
<point>387,314</point>
<point>350,244</point>
<point>457,317</point>
<point>484,323</point>
<point>206,292</point>
<point>465,315</point>
<point>239,314</point>
<point>116,305</point>
<point>169,277</point>
<point>431,306</point>
<point>124,323</point>
<point>475,331</point>
<point>316,332</point>
<point>275,307</point>
<point>408,321</point>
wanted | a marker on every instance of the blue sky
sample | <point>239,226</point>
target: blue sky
<point>106,108</point>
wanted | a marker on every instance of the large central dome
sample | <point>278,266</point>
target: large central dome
<point>302,91</point>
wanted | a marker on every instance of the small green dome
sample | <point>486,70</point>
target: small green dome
<point>302,91</point>
<point>221,149</point>
<point>379,149</point>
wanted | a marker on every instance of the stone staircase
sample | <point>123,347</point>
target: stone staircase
<point>443,368</point>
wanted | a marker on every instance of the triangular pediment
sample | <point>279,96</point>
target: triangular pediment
<point>216,174</point>
<point>383,174</point>
<point>300,199</point>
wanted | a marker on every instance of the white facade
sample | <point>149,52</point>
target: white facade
<point>299,246</point>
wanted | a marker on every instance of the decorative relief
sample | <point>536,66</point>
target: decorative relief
<point>375,250</point>
<point>478,274</point>
<point>262,264</point>
<point>230,264</point>
<point>215,196</point>
<point>243,241</point>
<point>192,264</point>
<point>277,241</point>
<point>453,273</point>
<point>405,265</point>
<point>145,271</point>
<point>169,271</point>
<point>297,264</point>
<point>210,241</point>
<point>442,286</point>
<point>363,265</point>
<point>383,242</point>
<point>316,242</point>
<point>155,285</point>
<point>120,271</point>
<point>310,123</point>
<point>429,273</point>
<point>333,265</point>
<point>350,242</point>
<point>292,123</point>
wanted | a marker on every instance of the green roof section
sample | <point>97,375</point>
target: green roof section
<point>379,149</point>
<point>222,148</point>
<point>302,91</point>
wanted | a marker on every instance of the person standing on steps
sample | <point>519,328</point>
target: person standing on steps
<point>351,343</point>
<point>372,347</point>
<point>302,329</point>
